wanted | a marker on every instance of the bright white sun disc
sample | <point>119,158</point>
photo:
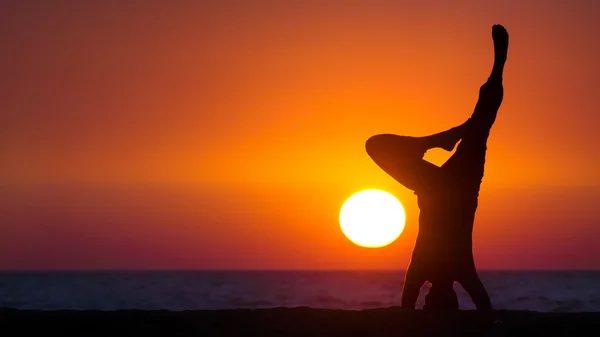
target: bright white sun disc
<point>372,218</point>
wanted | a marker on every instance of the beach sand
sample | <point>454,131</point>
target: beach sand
<point>284,322</point>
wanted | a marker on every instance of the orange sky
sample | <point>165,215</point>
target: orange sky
<point>224,134</point>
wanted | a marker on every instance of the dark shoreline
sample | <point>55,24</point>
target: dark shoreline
<point>283,322</point>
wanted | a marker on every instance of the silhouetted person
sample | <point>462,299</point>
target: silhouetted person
<point>447,195</point>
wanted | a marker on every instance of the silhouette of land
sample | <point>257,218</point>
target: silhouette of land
<point>289,322</point>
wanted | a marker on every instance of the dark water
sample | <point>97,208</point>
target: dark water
<point>571,291</point>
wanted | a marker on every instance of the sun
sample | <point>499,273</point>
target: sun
<point>372,218</point>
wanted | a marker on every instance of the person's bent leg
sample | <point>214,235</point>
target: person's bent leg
<point>446,139</point>
<point>402,158</point>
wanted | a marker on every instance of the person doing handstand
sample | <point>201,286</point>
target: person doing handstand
<point>447,195</point>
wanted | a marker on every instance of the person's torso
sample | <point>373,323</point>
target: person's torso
<point>446,217</point>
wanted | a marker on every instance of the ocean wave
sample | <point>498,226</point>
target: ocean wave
<point>538,291</point>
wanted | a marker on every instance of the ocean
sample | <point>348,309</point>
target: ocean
<point>546,291</point>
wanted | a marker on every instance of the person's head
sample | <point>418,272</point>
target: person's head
<point>441,296</point>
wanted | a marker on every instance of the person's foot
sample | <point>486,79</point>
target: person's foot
<point>500,36</point>
<point>454,135</point>
<point>447,140</point>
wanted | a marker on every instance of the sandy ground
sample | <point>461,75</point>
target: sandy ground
<point>295,322</point>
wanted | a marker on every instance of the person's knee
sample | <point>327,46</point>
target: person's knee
<point>384,146</point>
<point>372,145</point>
<point>381,145</point>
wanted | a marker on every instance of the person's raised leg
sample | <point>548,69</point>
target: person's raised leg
<point>469,157</point>
<point>500,37</point>
<point>491,93</point>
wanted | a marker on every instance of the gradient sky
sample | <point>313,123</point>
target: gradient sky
<point>227,134</point>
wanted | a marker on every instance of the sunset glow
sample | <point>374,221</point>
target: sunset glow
<point>227,134</point>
